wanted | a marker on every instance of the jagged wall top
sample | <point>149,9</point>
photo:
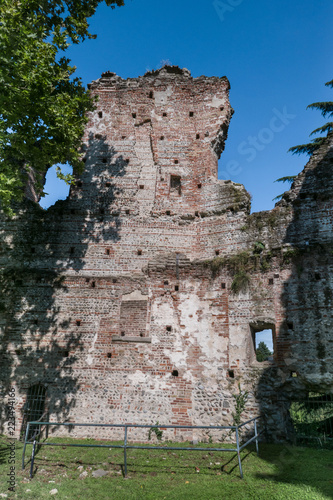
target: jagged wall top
<point>158,137</point>
<point>166,73</point>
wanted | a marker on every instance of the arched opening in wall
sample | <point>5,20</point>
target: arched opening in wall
<point>262,342</point>
<point>34,408</point>
<point>312,419</point>
<point>55,188</point>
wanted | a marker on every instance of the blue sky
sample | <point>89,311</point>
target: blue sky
<point>276,54</point>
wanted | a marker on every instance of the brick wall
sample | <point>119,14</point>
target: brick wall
<point>135,299</point>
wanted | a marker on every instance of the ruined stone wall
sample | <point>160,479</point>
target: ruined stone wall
<point>137,298</point>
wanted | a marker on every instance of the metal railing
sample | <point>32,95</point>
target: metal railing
<point>35,441</point>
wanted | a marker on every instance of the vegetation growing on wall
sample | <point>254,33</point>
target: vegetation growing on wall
<point>240,403</point>
<point>241,265</point>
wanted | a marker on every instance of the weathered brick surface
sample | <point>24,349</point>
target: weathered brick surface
<point>122,299</point>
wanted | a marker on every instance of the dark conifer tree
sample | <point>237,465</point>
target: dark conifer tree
<point>326,109</point>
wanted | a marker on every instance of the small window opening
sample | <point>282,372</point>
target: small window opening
<point>176,162</point>
<point>104,160</point>
<point>217,252</point>
<point>139,252</point>
<point>79,184</point>
<point>221,108</point>
<point>102,211</point>
<point>263,344</point>
<point>127,211</point>
<point>123,136</point>
<point>162,179</point>
<point>196,214</point>
<point>87,280</point>
<point>175,184</point>
<point>271,281</point>
<point>176,288</point>
<point>168,212</point>
<point>36,321</point>
<point>122,334</point>
<point>166,282</point>
<point>33,250</point>
<point>114,280</point>
<point>197,136</point>
<point>109,355</point>
<point>141,334</point>
<point>317,276</point>
<point>93,284</point>
<point>127,160</point>
<point>72,250</point>
<point>84,160</point>
<point>191,114</point>
<point>231,374</point>
<point>199,185</point>
<point>78,322</point>
<point>18,352</point>
<point>206,134</point>
<point>108,184</point>
<point>151,94</point>
<point>223,286</point>
<point>290,325</point>
<point>133,115</point>
<point>107,251</point>
<point>174,373</point>
<point>168,328</point>
<point>164,114</point>
<point>65,354</point>
<point>141,186</point>
<point>98,136</point>
<point>162,138</point>
<point>100,114</point>
<point>276,276</point>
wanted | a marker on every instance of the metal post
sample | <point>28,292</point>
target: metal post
<point>125,451</point>
<point>25,444</point>
<point>256,435</point>
<point>238,453</point>
<point>32,458</point>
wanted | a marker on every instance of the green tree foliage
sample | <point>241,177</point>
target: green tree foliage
<point>262,352</point>
<point>42,106</point>
<point>288,178</point>
<point>326,109</point>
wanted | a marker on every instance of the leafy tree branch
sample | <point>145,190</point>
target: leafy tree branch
<point>43,107</point>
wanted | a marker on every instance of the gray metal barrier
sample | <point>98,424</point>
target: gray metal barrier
<point>35,440</point>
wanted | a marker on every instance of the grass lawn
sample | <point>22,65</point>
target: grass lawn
<point>280,472</point>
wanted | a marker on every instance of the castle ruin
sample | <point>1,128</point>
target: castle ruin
<point>139,297</point>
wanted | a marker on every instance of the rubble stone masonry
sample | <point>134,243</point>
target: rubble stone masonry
<point>137,299</point>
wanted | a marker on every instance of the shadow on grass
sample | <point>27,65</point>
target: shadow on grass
<point>4,454</point>
<point>299,466</point>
